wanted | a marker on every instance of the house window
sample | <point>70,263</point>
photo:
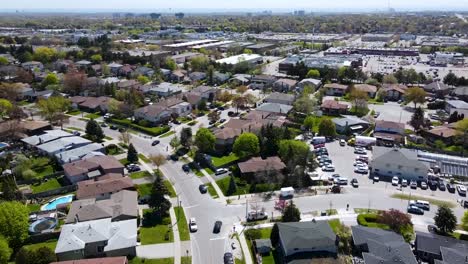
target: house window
<point>100,249</point>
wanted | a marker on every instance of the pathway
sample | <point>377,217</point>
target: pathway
<point>175,230</point>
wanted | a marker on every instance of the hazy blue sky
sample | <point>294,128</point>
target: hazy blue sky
<point>233,4</point>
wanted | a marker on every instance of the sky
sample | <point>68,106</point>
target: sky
<point>231,5</point>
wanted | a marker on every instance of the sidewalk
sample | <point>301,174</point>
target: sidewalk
<point>175,230</point>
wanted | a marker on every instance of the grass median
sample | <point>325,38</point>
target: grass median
<point>182,224</point>
<point>416,197</point>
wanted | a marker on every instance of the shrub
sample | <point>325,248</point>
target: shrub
<point>253,234</point>
<point>143,123</point>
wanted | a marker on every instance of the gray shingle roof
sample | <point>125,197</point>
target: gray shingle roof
<point>362,234</point>
<point>275,108</point>
<point>432,243</point>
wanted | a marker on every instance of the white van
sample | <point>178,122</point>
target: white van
<point>421,204</point>
<point>287,192</point>
<point>318,140</point>
<point>342,181</point>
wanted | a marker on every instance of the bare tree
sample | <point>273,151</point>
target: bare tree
<point>158,160</point>
<point>125,137</point>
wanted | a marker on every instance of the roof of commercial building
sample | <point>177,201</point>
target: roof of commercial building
<point>239,58</point>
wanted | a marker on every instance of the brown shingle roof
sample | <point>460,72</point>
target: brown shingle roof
<point>389,124</point>
<point>336,86</point>
<point>397,87</point>
<point>91,189</point>
<point>333,104</point>
<point>258,164</point>
<point>443,131</point>
<point>366,88</point>
<point>103,163</point>
<point>110,260</point>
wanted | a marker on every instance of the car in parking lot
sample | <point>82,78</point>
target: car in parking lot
<point>342,181</point>
<point>425,205</point>
<point>217,227</point>
<point>360,151</point>
<point>221,171</point>
<point>412,209</point>
<point>376,178</point>
<point>228,258</point>
<point>433,185</point>
<point>328,167</point>
<point>156,142</point>
<point>359,163</point>
<point>395,181</point>
<point>361,169</point>
<point>441,186</point>
<point>174,157</point>
<point>461,190</point>
<point>186,167</point>
<point>203,188</point>
<point>423,185</point>
<point>193,225</point>
<point>342,142</point>
<point>354,183</point>
<point>413,184</point>
<point>404,183</point>
<point>450,188</point>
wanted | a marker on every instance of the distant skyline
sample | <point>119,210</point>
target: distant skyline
<point>229,5</point>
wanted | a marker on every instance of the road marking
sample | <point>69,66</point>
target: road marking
<point>218,238</point>
<point>188,207</point>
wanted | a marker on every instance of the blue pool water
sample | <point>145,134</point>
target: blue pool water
<point>3,145</point>
<point>52,204</point>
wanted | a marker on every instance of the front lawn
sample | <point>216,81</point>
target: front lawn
<point>153,131</point>
<point>430,200</point>
<point>243,187</point>
<point>137,260</point>
<point>209,171</point>
<point>50,184</point>
<point>113,149</point>
<point>182,223</point>
<point>49,243</point>
<point>155,231</point>
<point>140,174</point>
<point>221,161</point>
<point>73,112</point>
<point>144,189</point>
<point>93,116</point>
<point>334,224</point>
<point>169,187</point>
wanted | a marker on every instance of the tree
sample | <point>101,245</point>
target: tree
<point>125,137</point>
<point>293,152</point>
<point>462,133</point>
<point>3,61</point>
<point>5,251</point>
<point>143,79</point>
<point>170,64</point>
<point>239,102</point>
<point>241,89</point>
<point>313,73</point>
<point>23,256</point>
<point>202,105</point>
<point>305,104</point>
<point>464,221</point>
<point>395,219</point>
<point>158,160</point>
<point>43,255</point>
<point>205,140</point>
<point>199,64</point>
<point>274,236</point>
<point>53,109</point>
<point>74,82</point>
<point>327,128</point>
<point>50,79</point>
<point>246,145</point>
<point>309,122</point>
<point>232,186</point>
<point>417,120</point>
<point>416,95</point>
<point>9,91</point>
<point>14,222</point>
<point>132,154</point>
<point>214,116</point>
<point>94,131</point>
<point>175,142</point>
<point>45,54</point>
<point>291,213</point>
<point>5,107</point>
<point>359,99</point>
<point>445,220</point>
<point>186,137</point>
<point>9,189</point>
<point>96,58</point>
<point>451,79</point>
<point>157,200</point>
<point>344,235</point>
<point>372,81</point>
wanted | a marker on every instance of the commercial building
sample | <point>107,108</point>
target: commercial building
<point>402,163</point>
<point>234,60</point>
<point>377,37</point>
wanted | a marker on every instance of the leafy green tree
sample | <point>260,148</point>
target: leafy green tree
<point>53,109</point>
<point>157,200</point>
<point>199,64</point>
<point>416,95</point>
<point>232,186</point>
<point>50,79</point>
<point>274,236</point>
<point>313,73</point>
<point>14,222</point>
<point>417,120</point>
<point>202,105</point>
<point>293,152</point>
<point>175,142</point>
<point>96,58</point>
<point>464,221</point>
<point>210,74</point>
<point>5,251</point>
<point>270,137</point>
<point>462,134</point>
<point>43,255</point>
<point>372,81</point>
<point>143,79</point>
<point>3,61</point>
<point>171,64</point>
<point>186,137</point>
<point>94,131</point>
<point>132,154</point>
<point>451,79</point>
<point>5,107</point>
<point>45,54</point>
<point>9,188</point>
<point>23,256</point>
<point>205,140</point>
<point>445,219</point>
<point>246,145</point>
<point>359,99</point>
<point>291,213</point>
<point>327,128</point>
<point>345,244</point>
<point>305,104</point>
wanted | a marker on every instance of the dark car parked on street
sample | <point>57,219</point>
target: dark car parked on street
<point>217,227</point>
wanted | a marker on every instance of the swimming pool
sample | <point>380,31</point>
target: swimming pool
<point>42,224</point>
<point>52,204</point>
<point>3,145</point>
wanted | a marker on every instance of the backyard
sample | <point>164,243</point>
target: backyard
<point>49,243</point>
<point>144,189</point>
<point>262,233</point>
<point>221,161</point>
<point>140,174</point>
<point>48,185</point>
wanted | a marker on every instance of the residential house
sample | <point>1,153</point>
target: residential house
<point>164,89</point>
<point>110,260</point>
<point>313,83</point>
<point>264,167</point>
<point>462,93</point>
<point>98,238</point>
<point>461,107</point>
<point>197,76</point>
<point>280,98</point>
<point>83,64</point>
<point>220,78</point>
<point>91,104</point>
<point>240,79</point>
<point>126,70</point>
<point>206,92</point>
<point>79,152</point>
<point>438,88</point>
<point>178,76</point>
<point>145,71</point>
<point>63,65</point>
<point>115,68</point>
<point>284,85</point>
<point>281,109</point>
<point>334,107</point>
<point>97,68</point>
<point>402,163</point>
<point>162,110</point>
<point>436,249</point>
<point>389,131</point>
<point>335,89</point>
<point>32,65</point>
<point>12,129</point>
<point>122,205</point>
<point>128,84</point>
<point>90,168</point>
<point>353,124</point>
<point>47,136</point>
<point>445,133</point>
<point>261,81</point>
<point>306,240</point>
<point>394,92</point>
<point>103,187</point>
<point>62,144</point>
<point>371,90</point>
<point>381,246</point>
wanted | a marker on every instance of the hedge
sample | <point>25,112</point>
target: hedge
<point>370,220</point>
<point>153,131</point>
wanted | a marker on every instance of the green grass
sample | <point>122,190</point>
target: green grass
<point>265,234</point>
<point>370,220</point>
<point>92,116</point>
<point>139,174</point>
<point>182,224</point>
<point>243,187</point>
<point>331,212</point>
<point>43,171</point>
<point>137,260</point>
<point>186,260</point>
<point>212,191</point>
<point>153,231</point>
<point>198,172</point>
<point>75,128</point>
<point>34,207</point>
<point>365,211</point>
<point>73,112</point>
<point>124,161</point>
<point>153,131</point>
<point>46,186</point>
<point>209,171</point>
<point>168,134</point>
<point>113,150</point>
<point>430,200</point>
<point>49,243</point>
<point>192,123</point>
<point>108,138</point>
<point>334,224</point>
<point>144,189</point>
<point>169,187</point>
<point>144,158</point>
<point>220,161</point>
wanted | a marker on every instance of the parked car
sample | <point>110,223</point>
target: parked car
<point>361,169</point>
<point>193,225</point>
<point>103,124</point>
<point>156,142</point>
<point>222,120</point>
<point>354,183</point>
<point>186,167</point>
<point>376,114</point>
<point>113,127</point>
<point>404,183</point>
<point>415,210</point>
<point>395,181</point>
<point>376,178</point>
<point>342,142</point>
<point>203,188</point>
<point>228,258</point>
<point>432,229</point>
<point>174,157</point>
<point>424,185</point>
<point>413,184</point>
<point>450,188</point>
<point>461,190</point>
<point>221,171</point>
<point>121,129</point>
<point>328,167</point>
<point>217,227</point>
<point>441,186</point>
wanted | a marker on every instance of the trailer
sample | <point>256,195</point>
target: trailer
<point>318,140</point>
<point>365,141</point>
<point>287,192</point>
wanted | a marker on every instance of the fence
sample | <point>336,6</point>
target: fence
<point>38,238</point>
<point>54,192</point>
